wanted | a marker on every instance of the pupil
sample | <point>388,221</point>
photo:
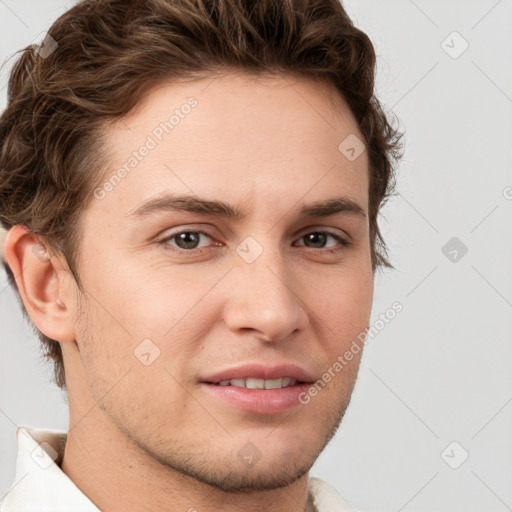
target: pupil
<point>188,240</point>
<point>317,238</point>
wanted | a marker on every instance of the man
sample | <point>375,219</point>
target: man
<point>191,192</point>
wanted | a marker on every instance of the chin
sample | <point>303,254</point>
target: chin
<point>240,477</point>
<point>247,463</point>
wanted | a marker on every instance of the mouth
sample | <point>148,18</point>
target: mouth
<point>259,389</point>
<point>256,383</point>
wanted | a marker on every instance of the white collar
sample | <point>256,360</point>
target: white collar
<point>41,486</point>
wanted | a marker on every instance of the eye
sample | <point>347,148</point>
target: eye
<point>193,241</point>
<point>187,240</point>
<point>319,239</point>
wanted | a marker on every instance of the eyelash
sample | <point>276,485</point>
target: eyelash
<point>343,243</point>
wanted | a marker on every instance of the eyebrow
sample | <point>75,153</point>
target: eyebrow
<point>194,204</point>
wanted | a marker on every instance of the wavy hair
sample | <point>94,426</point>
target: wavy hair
<point>102,56</point>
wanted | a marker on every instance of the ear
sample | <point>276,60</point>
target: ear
<point>41,278</point>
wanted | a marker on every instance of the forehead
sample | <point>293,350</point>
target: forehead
<point>237,136</point>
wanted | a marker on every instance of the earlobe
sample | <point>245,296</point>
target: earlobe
<point>38,277</point>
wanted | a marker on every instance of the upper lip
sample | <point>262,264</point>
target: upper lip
<point>260,371</point>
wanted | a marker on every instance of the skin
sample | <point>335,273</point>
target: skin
<point>149,437</point>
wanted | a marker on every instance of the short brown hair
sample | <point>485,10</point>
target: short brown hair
<point>110,53</point>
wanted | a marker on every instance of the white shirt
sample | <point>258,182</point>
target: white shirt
<point>40,485</point>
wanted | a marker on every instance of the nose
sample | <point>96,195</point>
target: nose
<point>265,299</point>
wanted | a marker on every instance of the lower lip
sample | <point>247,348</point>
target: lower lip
<point>260,401</point>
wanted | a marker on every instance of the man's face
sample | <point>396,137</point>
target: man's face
<point>270,294</point>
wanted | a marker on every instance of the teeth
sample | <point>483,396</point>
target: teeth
<point>254,383</point>
<point>287,381</point>
<point>274,383</point>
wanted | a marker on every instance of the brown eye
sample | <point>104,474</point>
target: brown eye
<point>186,240</point>
<point>319,239</point>
<point>316,240</point>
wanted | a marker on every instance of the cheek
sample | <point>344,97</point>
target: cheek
<point>341,299</point>
<point>174,308</point>
<point>104,343</point>
<point>142,299</point>
<point>118,377</point>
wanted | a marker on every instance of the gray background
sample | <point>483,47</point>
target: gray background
<point>440,371</point>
